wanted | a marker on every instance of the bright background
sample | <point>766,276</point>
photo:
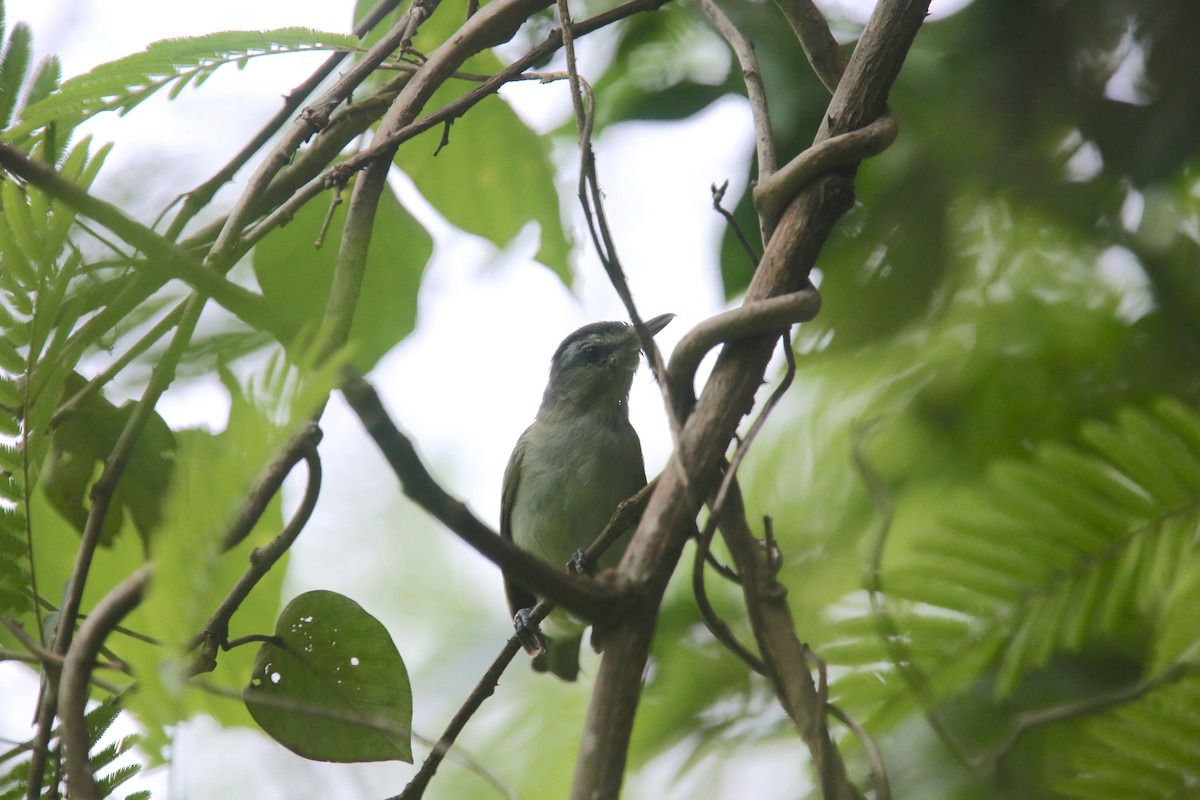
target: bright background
<point>463,384</point>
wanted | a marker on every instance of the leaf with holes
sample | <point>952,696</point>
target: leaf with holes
<point>335,687</point>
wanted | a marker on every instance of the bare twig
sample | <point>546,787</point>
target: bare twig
<point>262,559</point>
<point>756,93</point>
<point>77,668</point>
<point>718,194</point>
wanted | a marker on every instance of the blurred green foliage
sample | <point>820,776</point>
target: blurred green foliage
<point>985,479</point>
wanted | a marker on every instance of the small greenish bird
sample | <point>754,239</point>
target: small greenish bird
<point>572,467</point>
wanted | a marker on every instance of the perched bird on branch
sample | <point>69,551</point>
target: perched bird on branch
<point>570,470</point>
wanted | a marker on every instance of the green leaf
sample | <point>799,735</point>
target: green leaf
<point>122,84</point>
<point>334,688</point>
<point>492,179</point>
<point>295,276</point>
<point>13,65</point>
<point>84,441</point>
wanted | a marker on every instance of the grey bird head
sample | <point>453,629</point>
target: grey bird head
<point>593,367</point>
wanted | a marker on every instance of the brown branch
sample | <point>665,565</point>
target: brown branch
<point>756,93</point>
<point>77,669</point>
<point>311,120</point>
<point>650,559</point>
<point>816,40</point>
<point>200,197</point>
<point>582,596</point>
<point>262,559</point>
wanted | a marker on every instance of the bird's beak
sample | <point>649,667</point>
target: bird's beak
<point>653,325</point>
<point>658,323</point>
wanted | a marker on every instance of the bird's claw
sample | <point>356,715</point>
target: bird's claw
<point>528,631</point>
<point>580,564</point>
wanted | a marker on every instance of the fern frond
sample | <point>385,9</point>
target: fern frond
<point>1077,546</point>
<point>123,84</point>
<point>14,62</point>
<point>1150,748</point>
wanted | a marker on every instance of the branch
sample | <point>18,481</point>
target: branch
<point>163,256</point>
<point>756,93</point>
<point>582,596</point>
<point>773,193</point>
<point>311,120</point>
<point>199,197</point>
<point>816,40</point>
<point>77,669</point>
<point>262,559</point>
<point>790,254</point>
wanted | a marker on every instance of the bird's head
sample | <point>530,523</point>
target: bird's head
<point>594,366</point>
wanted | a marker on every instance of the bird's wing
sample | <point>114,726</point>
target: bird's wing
<point>518,596</point>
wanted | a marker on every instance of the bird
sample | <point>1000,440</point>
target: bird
<point>570,469</point>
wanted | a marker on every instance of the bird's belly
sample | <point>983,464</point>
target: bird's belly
<point>566,504</point>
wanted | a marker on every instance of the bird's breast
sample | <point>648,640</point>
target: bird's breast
<point>573,476</point>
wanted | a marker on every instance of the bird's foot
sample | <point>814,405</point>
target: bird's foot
<point>580,564</point>
<point>528,631</point>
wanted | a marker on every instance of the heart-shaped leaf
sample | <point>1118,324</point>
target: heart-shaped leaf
<point>334,688</point>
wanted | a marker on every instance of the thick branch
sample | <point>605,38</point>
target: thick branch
<point>729,393</point>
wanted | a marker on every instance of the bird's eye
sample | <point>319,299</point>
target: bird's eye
<point>591,354</point>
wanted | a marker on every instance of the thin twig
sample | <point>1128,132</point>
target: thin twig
<point>894,641</point>
<point>200,197</point>
<point>716,625</point>
<point>169,321</point>
<point>756,93</point>
<point>102,493</point>
<point>262,559</point>
<point>718,194</point>
<point>314,117</point>
<point>623,518</point>
<point>383,145</point>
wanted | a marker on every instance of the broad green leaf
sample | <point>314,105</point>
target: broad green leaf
<point>334,687</point>
<point>80,446</point>
<point>193,574</point>
<point>493,178</point>
<point>295,276</point>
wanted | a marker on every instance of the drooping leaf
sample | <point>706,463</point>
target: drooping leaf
<point>333,687</point>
